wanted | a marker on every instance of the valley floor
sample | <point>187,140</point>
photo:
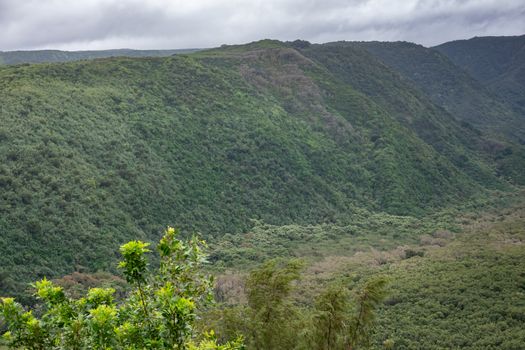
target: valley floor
<point>457,280</point>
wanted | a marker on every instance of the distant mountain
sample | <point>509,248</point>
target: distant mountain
<point>94,153</point>
<point>450,87</point>
<point>465,98</point>
<point>498,62</point>
<point>42,56</point>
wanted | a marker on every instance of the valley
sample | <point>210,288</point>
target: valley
<point>359,159</point>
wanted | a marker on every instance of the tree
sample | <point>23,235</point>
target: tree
<point>330,318</point>
<point>272,318</point>
<point>367,301</point>
<point>340,319</point>
<point>342,322</point>
<point>158,313</point>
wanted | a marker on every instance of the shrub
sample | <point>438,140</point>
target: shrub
<point>159,311</point>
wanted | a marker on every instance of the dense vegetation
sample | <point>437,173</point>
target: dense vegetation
<point>361,159</point>
<point>497,62</point>
<point>450,87</point>
<point>470,279</point>
<point>464,97</point>
<point>160,310</point>
<point>458,284</point>
<point>158,313</point>
<point>97,152</point>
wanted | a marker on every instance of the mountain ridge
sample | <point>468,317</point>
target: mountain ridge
<point>97,152</point>
<point>48,56</point>
<point>498,62</point>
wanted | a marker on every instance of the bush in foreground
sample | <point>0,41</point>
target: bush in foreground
<point>158,313</point>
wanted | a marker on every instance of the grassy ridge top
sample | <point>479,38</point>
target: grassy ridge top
<point>94,153</point>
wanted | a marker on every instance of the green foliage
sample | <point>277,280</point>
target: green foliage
<point>368,299</point>
<point>95,153</point>
<point>158,313</point>
<point>271,315</point>
<point>450,87</point>
<point>331,318</point>
<point>269,285</point>
<point>464,147</point>
<point>379,231</point>
<point>134,263</point>
<point>467,294</point>
<point>210,343</point>
<point>499,54</point>
<point>271,319</point>
<point>495,61</point>
<point>478,109</point>
<point>341,322</point>
<point>460,286</point>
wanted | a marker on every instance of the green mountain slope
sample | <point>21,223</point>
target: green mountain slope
<point>486,58</point>
<point>499,62</point>
<point>94,153</point>
<point>467,100</point>
<point>448,133</point>
<point>450,87</point>
<point>43,56</point>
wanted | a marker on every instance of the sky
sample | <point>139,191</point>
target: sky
<point>172,24</point>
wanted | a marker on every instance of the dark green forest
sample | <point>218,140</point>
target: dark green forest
<point>360,161</point>
<point>497,62</point>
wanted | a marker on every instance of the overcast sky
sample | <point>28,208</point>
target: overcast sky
<point>149,24</point>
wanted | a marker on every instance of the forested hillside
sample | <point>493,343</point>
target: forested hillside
<point>470,101</point>
<point>450,87</point>
<point>94,153</point>
<point>498,62</point>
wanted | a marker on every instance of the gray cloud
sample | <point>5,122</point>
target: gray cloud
<point>145,24</point>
